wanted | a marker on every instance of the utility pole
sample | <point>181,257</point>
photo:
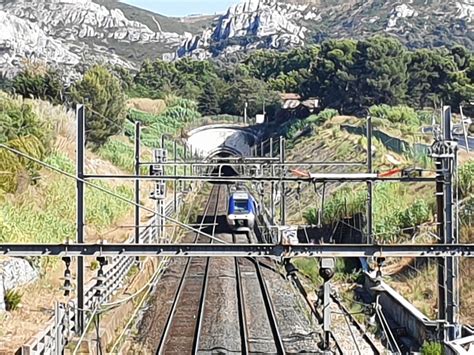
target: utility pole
<point>80,214</point>
<point>245,112</point>
<point>137,182</point>
<point>445,153</point>
<point>283,185</point>
<point>465,129</point>
<point>175,183</point>
<point>272,198</point>
<point>370,184</point>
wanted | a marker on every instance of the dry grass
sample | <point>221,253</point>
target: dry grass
<point>154,107</point>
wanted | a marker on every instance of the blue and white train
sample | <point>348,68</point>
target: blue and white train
<point>242,211</point>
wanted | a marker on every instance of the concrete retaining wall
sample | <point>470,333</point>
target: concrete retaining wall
<point>407,317</point>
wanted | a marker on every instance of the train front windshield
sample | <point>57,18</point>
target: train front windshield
<point>241,206</point>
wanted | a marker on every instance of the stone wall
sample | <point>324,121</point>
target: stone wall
<point>14,272</point>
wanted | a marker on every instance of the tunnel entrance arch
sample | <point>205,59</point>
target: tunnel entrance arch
<point>222,141</point>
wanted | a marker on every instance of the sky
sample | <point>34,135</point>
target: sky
<point>183,7</point>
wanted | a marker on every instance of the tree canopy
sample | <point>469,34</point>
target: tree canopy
<point>101,93</point>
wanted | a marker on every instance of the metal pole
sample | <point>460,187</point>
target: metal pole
<point>185,155</point>
<point>440,220</point>
<point>449,225</point>
<point>245,112</point>
<point>370,184</point>
<point>80,213</point>
<point>283,185</point>
<point>272,200</point>
<point>137,182</point>
<point>448,267</point>
<point>464,129</point>
<point>327,314</point>
<point>175,183</point>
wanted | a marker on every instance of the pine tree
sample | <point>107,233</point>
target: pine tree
<point>102,94</point>
<point>380,67</point>
<point>209,101</point>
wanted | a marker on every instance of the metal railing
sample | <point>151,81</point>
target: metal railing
<point>52,339</point>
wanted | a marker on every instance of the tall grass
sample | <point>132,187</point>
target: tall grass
<point>396,208</point>
<point>47,213</point>
<point>466,179</point>
<point>118,152</point>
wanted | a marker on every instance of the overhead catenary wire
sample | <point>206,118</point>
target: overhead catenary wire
<point>151,286</point>
<point>111,193</point>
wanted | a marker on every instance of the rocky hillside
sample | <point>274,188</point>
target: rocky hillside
<point>69,32</point>
<point>75,32</point>
<point>281,24</point>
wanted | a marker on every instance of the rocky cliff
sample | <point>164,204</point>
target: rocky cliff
<point>69,33</point>
<point>282,24</point>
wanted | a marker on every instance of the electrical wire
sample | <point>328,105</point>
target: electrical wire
<point>102,189</point>
<point>352,334</point>
<point>386,328</point>
<point>151,285</point>
<point>78,345</point>
<point>125,300</point>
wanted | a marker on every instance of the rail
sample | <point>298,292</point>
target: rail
<point>52,339</point>
<point>200,273</point>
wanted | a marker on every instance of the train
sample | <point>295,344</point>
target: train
<point>242,211</point>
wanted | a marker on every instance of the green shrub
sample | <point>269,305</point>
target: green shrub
<point>11,164</point>
<point>12,300</point>
<point>396,114</point>
<point>44,84</point>
<point>61,162</point>
<point>419,212</point>
<point>432,348</point>
<point>18,119</point>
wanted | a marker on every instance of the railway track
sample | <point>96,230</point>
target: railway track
<point>345,313</point>
<point>219,305</point>
<point>258,334</point>
<point>183,324</point>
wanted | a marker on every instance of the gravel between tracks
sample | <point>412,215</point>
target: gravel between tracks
<point>220,328</point>
<point>300,332</point>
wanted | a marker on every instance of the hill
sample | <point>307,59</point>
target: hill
<point>74,33</point>
<point>284,24</point>
<point>70,34</point>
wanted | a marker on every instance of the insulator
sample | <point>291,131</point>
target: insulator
<point>100,276</point>
<point>67,286</point>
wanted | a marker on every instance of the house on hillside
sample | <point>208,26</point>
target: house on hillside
<point>293,106</point>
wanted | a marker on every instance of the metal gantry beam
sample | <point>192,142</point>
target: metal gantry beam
<point>240,250</point>
<point>313,178</point>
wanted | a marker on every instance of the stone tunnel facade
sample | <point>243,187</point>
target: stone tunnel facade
<point>213,140</point>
